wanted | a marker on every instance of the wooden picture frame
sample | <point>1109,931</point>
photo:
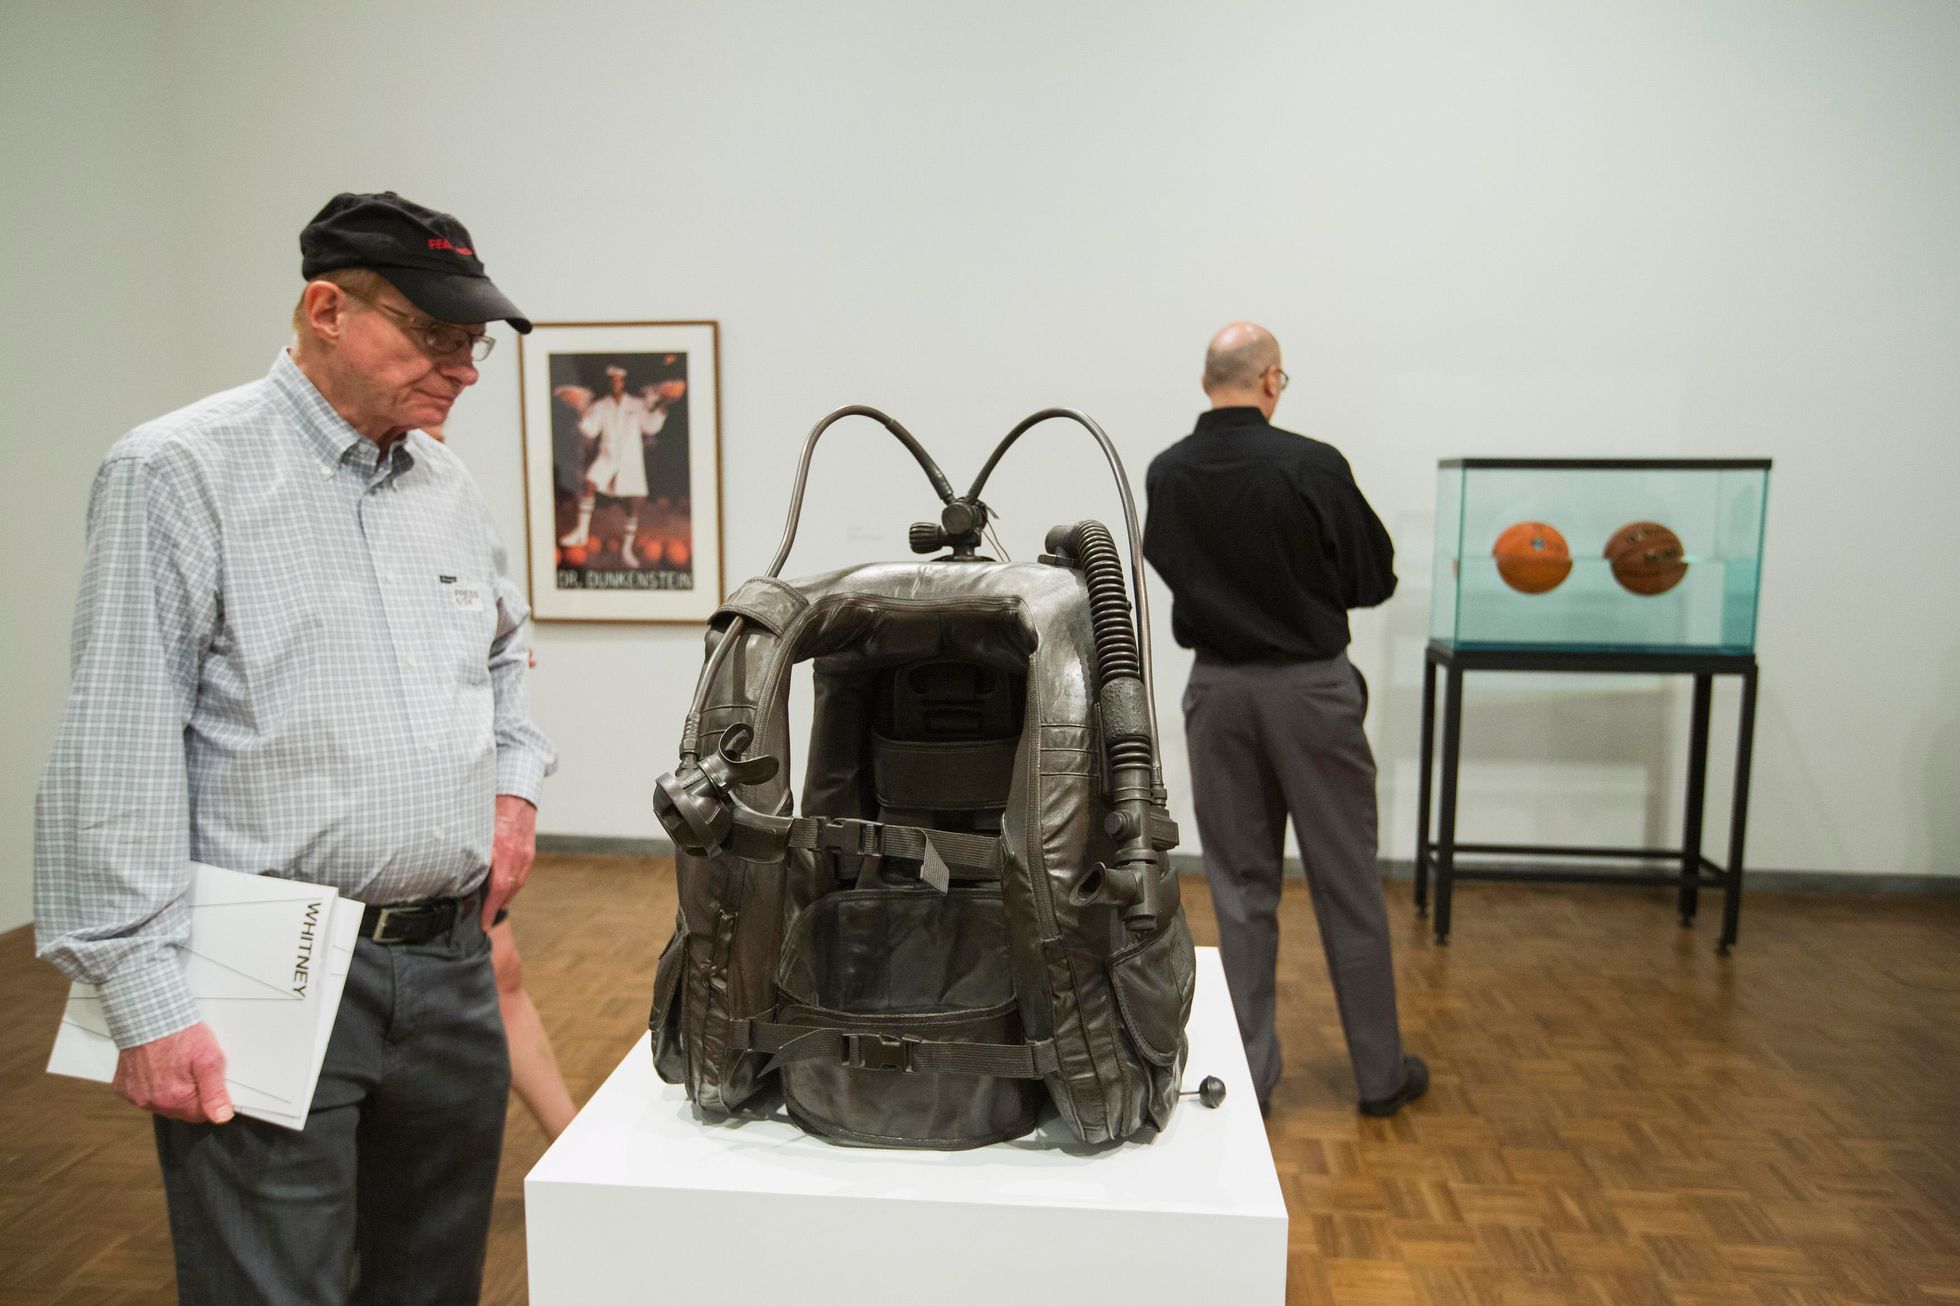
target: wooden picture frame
<point>621,426</point>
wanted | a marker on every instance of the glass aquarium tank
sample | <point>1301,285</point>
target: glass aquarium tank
<point>1599,554</point>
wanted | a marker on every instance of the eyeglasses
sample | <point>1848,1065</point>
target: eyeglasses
<point>438,339</point>
<point>1284,379</point>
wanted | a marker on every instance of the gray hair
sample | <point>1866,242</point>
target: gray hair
<point>362,283</point>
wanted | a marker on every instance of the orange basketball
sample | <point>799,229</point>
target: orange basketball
<point>678,552</point>
<point>1647,557</point>
<point>571,555</point>
<point>671,390</point>
<point>1532,557</point>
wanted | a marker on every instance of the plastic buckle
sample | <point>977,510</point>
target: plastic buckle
<point>878,1051</point>
<point>847,834</point>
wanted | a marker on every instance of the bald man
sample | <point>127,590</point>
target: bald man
<point>1266,542</point>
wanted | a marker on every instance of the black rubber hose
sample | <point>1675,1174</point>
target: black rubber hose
<point>1138,588</point>
<point>1117,656</point>
<point>1131,883</point>
<point>1091,545</point>
<point>1129,752</point>
<point>690,730</point>
<point>940,485</point>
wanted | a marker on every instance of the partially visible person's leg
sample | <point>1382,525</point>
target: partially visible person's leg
<point>262,1213</point>
<point>580,533</point>
<point>633,504</point>
<point>433,1128</point>
<point>1327,770</point>
<point>1242,823</point>
<point>534,1069</point>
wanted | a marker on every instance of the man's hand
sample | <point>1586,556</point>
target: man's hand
<point>511,853</point>
<point>180,1075</point>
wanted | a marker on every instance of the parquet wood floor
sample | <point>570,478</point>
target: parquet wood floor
<point>1617,1116</point>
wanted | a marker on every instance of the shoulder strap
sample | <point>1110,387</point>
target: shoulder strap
<point>768,602</point>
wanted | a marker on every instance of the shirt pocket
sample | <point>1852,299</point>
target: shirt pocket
<point>463,618</point>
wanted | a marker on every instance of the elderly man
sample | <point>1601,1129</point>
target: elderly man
<point>1266,542</point>
<point>293,655</point>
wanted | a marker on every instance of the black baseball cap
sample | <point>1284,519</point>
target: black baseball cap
<point>426,255</point>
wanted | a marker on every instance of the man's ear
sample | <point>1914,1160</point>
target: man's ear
<point>323,307</point>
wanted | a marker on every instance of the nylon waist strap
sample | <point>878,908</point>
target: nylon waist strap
<point>977,856</point>
<point>870,1050</point>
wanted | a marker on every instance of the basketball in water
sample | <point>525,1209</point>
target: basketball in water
<point>1647,557</point>
<point>1532,557</point>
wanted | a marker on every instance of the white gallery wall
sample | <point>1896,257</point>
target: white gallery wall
<point>1526,227</point>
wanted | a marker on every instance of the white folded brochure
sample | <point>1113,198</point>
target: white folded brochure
<point>266,961</point>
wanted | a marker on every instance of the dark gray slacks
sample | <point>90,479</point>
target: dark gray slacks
<point>1266,740</point>
<point>386,1195</point>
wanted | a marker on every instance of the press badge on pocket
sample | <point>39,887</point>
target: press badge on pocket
<point>467,598</point>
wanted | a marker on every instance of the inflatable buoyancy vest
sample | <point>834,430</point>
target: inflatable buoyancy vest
<point>971,913</point>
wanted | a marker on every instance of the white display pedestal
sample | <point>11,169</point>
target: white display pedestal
<point>640,1201</point>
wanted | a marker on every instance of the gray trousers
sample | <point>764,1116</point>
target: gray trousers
<point>1266,740</point>
<point>385,1196</point>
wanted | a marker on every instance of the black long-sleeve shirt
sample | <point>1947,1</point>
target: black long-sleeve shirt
<point>1264,540</point>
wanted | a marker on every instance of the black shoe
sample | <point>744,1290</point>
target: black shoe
<point>1415,1082</point>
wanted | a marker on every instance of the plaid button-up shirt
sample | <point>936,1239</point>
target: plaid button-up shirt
<point>291,656</point>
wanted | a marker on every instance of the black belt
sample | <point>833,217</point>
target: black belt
<point>417,922</point>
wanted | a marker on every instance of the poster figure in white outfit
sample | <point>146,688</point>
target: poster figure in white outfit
<point>617,428</point>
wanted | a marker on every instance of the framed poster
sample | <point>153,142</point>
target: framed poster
<point>622,470</point>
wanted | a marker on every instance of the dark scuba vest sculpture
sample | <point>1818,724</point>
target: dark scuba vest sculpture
<point>971,913</point>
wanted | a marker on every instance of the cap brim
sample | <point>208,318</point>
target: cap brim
<point>449,298</point>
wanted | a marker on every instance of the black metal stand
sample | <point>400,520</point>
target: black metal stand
<point>1694,869</point>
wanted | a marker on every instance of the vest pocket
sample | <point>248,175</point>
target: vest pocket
<point>901,964</point>
<point>1153,981</point>
<point>669,1055</point>
<point>704,1016</point>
